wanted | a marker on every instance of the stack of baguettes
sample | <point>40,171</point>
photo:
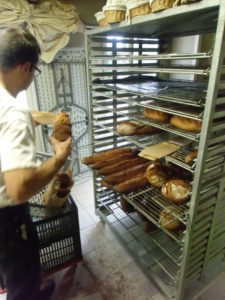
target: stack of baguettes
<point>123,170</point>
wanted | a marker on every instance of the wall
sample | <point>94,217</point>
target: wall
<point>189,44</point>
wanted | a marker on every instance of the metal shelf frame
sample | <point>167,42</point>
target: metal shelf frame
<point>201,245</point>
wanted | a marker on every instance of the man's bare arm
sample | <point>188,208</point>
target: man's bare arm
<point>22,184</point>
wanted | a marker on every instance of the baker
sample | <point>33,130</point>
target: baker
<point>21,177</point>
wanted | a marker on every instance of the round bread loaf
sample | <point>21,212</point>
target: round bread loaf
<point>61,132</point>
<point>176,190</point>
<point>62,127</point>
<point>168,220</point>
<point>156,174</point>
<point>62,119</point>
<point>186,124</point>
<point>156,115</point>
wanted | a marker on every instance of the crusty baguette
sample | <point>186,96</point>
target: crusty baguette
<point>133,184</point>
<point>190,157</point>
<point>88,160</point>
<point>186,124</point>
<point>147,130</point>
<point>156,115</point>
<point>105,163</point>
<point>127,174</point>
<point>122,165</point>
<point>127,128</point>
<point>43,117</point>
<point>106,184</point>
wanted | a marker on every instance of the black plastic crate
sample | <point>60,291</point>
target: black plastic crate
<point>58,232</point>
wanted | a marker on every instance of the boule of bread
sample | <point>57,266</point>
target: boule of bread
<point>156,115</point>
<point>157,174</point>
<point>106,155</point>
<point>186,124</point>
<point>176,190</point>
<point>62,133</point>
<point>190,157</point>
<point>62,127</point>
<point>168,220</point>
<point>62,119</point>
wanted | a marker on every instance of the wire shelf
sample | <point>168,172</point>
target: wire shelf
<point>150,203</point>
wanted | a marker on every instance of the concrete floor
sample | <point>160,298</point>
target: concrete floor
<point>108,272</point>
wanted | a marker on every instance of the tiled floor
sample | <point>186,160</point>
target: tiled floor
<point>108,271</point>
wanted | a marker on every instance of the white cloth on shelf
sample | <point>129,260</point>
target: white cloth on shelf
<point>51,22</point>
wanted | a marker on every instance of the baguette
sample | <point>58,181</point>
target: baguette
<point>190,157</point>
<point>135,128</point>
<point>106,184</point>
<point>186,124</point>
<point>127,174</point>
<point>88,160</point>
<point>133,184</point>
<point>147,129</point>
<point>44,118</point>
<point>156,115</point>
<point>122,165</point>
<point>105,163</point>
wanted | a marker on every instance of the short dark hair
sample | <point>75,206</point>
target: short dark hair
<point>17,46</point>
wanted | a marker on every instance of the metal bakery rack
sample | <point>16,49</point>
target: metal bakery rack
<point>129,68</point>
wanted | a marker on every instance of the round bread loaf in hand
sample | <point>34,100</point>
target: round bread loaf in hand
<point>62,127</point>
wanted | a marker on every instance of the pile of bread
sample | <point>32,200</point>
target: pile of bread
<point>136,128</point>
<point>124,172</point>
<point>58,190</point>
<point>122,168</point>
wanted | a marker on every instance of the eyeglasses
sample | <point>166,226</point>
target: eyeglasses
<point>36,68</point>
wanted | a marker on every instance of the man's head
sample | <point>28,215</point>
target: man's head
<point>19,55</point>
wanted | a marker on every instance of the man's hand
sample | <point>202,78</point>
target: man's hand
<point>62,149</point>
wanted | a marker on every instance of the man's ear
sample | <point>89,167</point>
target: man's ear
<point>26,67</point>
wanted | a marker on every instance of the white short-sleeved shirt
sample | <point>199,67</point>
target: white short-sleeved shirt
<point>17,141</point>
